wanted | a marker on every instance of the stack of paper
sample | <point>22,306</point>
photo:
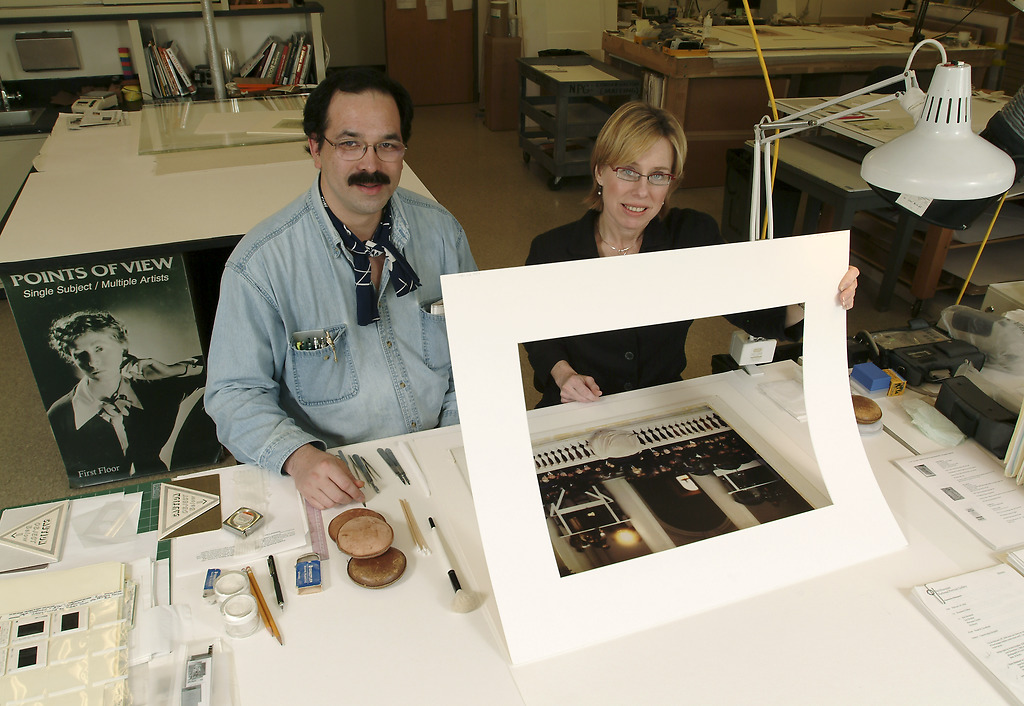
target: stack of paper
<point>982,612</point>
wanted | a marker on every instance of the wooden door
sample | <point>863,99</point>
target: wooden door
<point>433,59</point>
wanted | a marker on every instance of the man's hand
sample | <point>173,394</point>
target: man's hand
<point>322,479</point>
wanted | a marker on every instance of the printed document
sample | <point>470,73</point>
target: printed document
<point>983,612</point>
<point>972,485</point>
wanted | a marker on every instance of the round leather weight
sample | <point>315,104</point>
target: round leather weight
<point>365,537</point>
<point>339,520</point>
<point>380,571</point>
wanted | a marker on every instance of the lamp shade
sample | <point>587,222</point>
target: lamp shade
<point>949,172</point>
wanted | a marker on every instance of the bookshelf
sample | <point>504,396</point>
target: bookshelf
<point>100,30</point>
<point>242,29</point>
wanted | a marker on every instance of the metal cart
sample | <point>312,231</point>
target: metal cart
<point>568,113</point>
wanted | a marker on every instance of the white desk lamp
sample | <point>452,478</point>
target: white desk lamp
<point>940,171</point>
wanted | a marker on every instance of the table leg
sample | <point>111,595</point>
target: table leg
<point>929,268</point>
<point>897,255</point>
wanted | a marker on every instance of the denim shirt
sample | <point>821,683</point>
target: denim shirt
<point>290,279</point>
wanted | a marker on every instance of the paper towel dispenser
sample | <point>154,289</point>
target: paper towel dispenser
<point>47,51</point>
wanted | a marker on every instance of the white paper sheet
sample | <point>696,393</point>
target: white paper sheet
<point>575,73</point>
<point>971,484</point>
<point>437,9</point>
<point>284,522</point>
<point>489,313</point>
<point>983,612</point>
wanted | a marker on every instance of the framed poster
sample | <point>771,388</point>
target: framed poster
<point>543,609</point>
<point>116,356</point>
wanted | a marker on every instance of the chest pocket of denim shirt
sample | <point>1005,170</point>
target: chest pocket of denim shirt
<point>435,339</point>
<point>316,377</point>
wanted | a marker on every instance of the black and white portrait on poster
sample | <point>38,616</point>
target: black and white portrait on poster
<point>117,359</point>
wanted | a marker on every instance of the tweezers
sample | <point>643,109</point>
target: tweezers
<point>367,472</point>
<point>389,457</point>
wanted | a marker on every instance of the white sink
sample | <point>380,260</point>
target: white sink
<point>19,118</point>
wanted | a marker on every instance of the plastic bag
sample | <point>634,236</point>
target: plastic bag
<point>1001,339</point>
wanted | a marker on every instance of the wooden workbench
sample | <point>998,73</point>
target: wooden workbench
<point>721,96</point>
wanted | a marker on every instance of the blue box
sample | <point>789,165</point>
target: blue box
<point>871,377</point>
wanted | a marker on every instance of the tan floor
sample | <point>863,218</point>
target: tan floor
<point>501,202</point>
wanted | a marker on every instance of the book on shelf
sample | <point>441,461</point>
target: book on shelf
<point>255,63</point>
<point>296,44</point>
<point>270,66</point>
<point>174,84</point>
<point>282,62</point>
<point>169,72</point>
<point>302,65</point>
<point>181,67</point>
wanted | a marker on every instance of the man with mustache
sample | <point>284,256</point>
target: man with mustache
<point>329,329</point>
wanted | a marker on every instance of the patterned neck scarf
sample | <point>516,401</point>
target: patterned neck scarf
<point>403,278</point>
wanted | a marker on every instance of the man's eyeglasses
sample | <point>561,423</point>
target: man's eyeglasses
<point>655,179</point>
<point>351,150</point>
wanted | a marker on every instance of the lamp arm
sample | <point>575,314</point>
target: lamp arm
<point>908,77</point>
<point>798,122</point>
<point>793,124</point>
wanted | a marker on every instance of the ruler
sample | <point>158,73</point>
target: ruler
<point>317,535</point>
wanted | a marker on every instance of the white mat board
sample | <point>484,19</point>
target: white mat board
<point>488,313</point>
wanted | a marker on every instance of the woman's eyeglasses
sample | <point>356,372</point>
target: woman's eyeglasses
<point>351,150</point>
<point>655,179</point>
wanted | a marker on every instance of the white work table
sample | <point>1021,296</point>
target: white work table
<point>850,637</point>
<point>94,193</point>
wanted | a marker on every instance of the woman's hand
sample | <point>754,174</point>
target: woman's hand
<point>574,387</point>
<point>848,287</point>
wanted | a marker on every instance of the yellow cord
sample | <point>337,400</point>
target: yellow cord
<point>775,110</point>
<point>981,247</point>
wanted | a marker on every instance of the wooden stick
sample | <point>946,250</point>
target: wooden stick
<point>414,529</point>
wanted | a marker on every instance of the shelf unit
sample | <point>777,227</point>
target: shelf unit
<point>173,26</point>
<point>103,29</point>
<point>568,114</point>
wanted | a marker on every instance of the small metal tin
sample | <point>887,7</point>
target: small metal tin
<point>243,520</point>
<point>307,574</point>
<point>211,579</point>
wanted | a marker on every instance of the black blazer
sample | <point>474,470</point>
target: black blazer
<point>629,359</point>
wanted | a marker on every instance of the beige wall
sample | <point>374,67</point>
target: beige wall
<point>565,24</point>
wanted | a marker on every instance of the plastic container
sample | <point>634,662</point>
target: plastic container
<point>241,615</point>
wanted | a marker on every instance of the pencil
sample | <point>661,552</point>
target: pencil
<point>268,619</point>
